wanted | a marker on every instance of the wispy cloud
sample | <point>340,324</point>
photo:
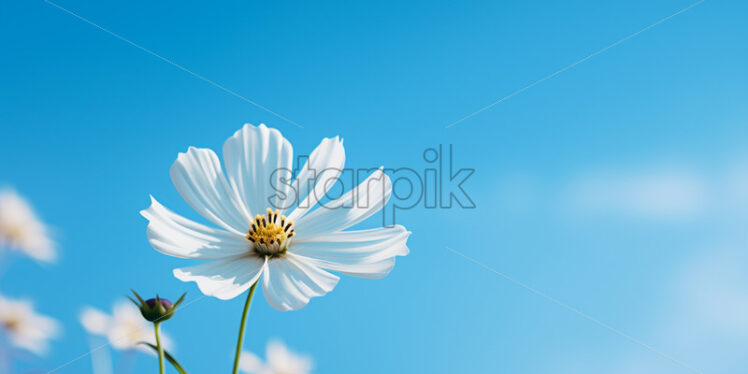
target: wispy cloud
<point>660,195</point>
<point>712,290</point>
<point>703,316</point>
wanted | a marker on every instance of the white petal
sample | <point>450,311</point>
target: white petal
<point>36,334</point>
<point>250,363</point>
<point>365,253</point>
<point>198,177</point>
<point>95,321</point>
<point>128,327</point>
<point>166,341</point>
<point>290,282</point>
<point>281,360</point>
<point>318,175</point>
<point>276,351</point>
<point>37,346</point>
<point>39,246</point>
<point>225,278</point>
<point>258,163</point>
<point>355,206</point>
<point>30,330</point>
<point>174,235</point>
<point>21,229</point>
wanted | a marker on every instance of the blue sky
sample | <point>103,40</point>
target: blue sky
<point>618,187</point>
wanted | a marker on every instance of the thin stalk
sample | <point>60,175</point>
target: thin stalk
<point>240,342</point>
<point>156,328</point>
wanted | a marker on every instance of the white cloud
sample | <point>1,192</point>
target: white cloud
<point>706,318</point>
<point>703,321</point>
<point>713,291</point>
<point>702,317</point>
<point>664,193</point>
<point>658,195</point>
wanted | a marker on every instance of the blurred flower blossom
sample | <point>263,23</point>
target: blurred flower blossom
<point>20,228</point>
<point>249,201</point>
<point>279,361</point>
<point>124,329</point>
<point>24,328</point>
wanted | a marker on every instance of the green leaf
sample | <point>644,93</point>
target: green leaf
<point>138,296</point>
<point>169,358</point>
<point>181,298</point>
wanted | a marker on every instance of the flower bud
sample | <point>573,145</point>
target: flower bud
<point>156,310</point>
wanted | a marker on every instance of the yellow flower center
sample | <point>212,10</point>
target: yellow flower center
<point>270,234</point>
<point>14,233</point>
<point>12,323</point>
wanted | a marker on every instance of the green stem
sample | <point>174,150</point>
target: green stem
<point>241,327</point>
<point>156,328</point>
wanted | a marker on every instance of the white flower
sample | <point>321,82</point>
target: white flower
<point>20,229</point>
<point>279,361</point>
<point>248,203</point>
<point>24,328</point>
<point>124,329</point>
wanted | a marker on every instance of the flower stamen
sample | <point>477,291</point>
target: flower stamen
<point>12,323</point>
<point>269,234</point>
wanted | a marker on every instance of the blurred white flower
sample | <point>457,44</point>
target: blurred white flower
<point>279,361</point>
<point>24,328</point>
<point>20,229</point>
<point>249,201</point>
<point>124,329</point>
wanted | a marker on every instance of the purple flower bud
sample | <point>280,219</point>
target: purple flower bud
<point>165,303</point>
<point>156,310</point>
